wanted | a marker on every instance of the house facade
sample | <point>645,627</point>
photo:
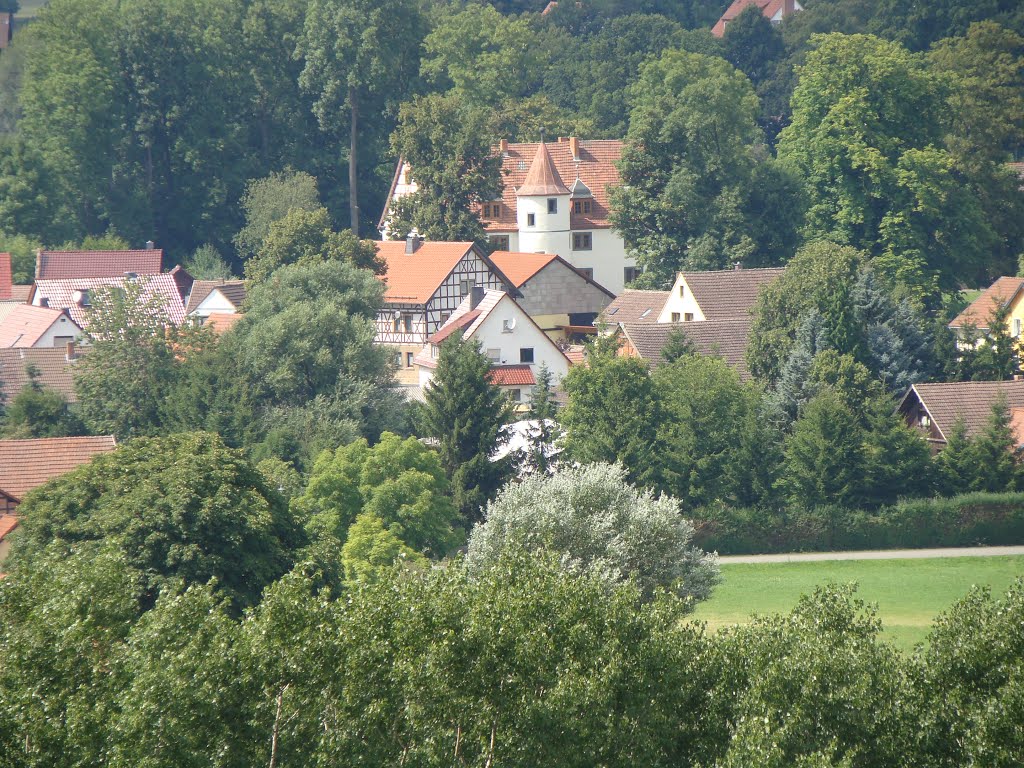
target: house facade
<point>214,296</point>
<point>512,341</point>
<point>722,294</point>
<point>1005,293</point>
<point>563,301</point>
<point>555,199</point>
<point>426,281</point>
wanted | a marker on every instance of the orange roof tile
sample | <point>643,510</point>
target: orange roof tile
<point>517,375</point>
<point>768,7</point>
<point>27,464</point>
<point>8,523</point>
<point>412,278</point>
<point>460,322</point>
<point>520,267</point>
<point>60,265</point>
<point>543,177</point>
<point>68,294</point>
<point>996,295</point>
<point>222,321</point>
<point>21,292</point>
<point>597,169</point>
<point>5,276</point>
<point>25,324</point>
<point>971,401</point>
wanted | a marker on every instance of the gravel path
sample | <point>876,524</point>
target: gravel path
<point>892,554</point>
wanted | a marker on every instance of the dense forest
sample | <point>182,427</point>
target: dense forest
<point>148,121</point>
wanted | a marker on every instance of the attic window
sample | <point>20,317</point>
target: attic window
<point>521,165</point>
<point>645,313</point>
<point>613,310</point>
<point>581,206</point>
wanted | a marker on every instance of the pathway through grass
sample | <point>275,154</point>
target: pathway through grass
<point>909,593</point>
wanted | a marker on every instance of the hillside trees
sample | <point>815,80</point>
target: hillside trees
<point>467,415</point>
<point>362,55</point>
<point>688,167</point>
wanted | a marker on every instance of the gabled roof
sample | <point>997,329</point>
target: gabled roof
<point>21,293</point>
<point>729,293</point>
<point>971,400</point>
<point>232,290</point>
<point>770,8</point>
<point>543,177</point>
<point>25,324</point>
<point>52,365</point>
<point>457,324</point>
<point>413,278</point>
<point>6,277</point>
<point>8,523</point>
<point>978,312</point>
<point>726,339</point>
<point>517,375</point>
<point>62,265</point>
<point>61,294</point>
<point>27,464</point>
<point>634,307</point>
<point>520,268</point>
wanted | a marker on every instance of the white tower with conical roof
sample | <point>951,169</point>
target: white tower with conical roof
<point>542,208</point>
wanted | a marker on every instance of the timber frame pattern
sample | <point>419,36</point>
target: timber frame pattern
<point>471,270</point>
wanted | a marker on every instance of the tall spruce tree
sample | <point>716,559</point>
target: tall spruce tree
<point>542,434</point>
<point>994,446</point>
<point>956,466</point>
<point>466,415</point>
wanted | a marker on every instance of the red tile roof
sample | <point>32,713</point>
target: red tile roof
<point>597,169</point>
<point>520,267</point>
<point>21,292</point>
<point>27,464</point>
<point>542,178</point>
<point>412,278</point>
<point>576,354</point>
<point>970,400</point>
<point>1001,292</point>
<point>726,339</point>
<point>25,324</point>
<point>61,265</point>
<point>54,370</point>
<point>460,322</point>
<point>518,375</point>
<point>61,294</point>
<point>6,278</point>
<point>729,293</point>
<point>222,321</point>
<point>633,306</point>
<point>8,523</point>
<point>768,7</point>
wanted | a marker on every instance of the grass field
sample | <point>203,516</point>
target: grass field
<point>909,593</point>
<point>29,8</point>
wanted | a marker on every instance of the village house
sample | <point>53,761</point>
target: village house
<point>632,306</point>
<point>515,345</point>
<point>933,409</point>
<point>773,10</point>
<point>27,464</point>
<point>555,199</point>
<point>209,297</point>
<point>726,339</point>
<point>24,325</point>
<point>426,281</point>
<point>1004,293</point>
<point>563,301</point>
<point>722,294</point>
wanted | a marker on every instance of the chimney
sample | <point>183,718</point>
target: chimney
<point>476,295</point>
<point>737,267</point>
<point>503,146</point>
<point>44,302</point>
<point>39,263</point>
<point>788,8</point>
<point>574,147</point>
<point>412,242</point>
<point>150,245</point>
<point>71,354</point>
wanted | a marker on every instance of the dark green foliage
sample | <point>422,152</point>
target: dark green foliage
<point>753,45</point>
<point>613,415</point>
<point>267,201</point>
<point>466,414</point>
<point>181,508</point>
<point>542,436</point>
<point>40,412</point>
<point>447,142</point>
<point>677,345</point>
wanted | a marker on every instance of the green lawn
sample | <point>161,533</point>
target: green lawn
<point>909,593</point>
<point>29,8</point>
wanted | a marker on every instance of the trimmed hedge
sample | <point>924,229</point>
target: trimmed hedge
<point>975,519</point>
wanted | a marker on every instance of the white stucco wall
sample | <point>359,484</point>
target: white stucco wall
<point>63,326</point>
<point>607,258</point>
<point>550,232</point>
<point>680,303</point>
<point>214,302</point>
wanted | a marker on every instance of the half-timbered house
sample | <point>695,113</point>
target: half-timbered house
<point>426,281</point>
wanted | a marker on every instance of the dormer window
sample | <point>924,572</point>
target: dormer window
<point>581,207</point>
<point>552,205</point>
<point>492,210</point>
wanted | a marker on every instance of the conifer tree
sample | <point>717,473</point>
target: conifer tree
<point>543,434</point>
<point>956,466</point>
<point>995,450</point>
<point>467,415</point>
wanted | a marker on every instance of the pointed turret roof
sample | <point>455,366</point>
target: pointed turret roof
<point>543,178</point>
